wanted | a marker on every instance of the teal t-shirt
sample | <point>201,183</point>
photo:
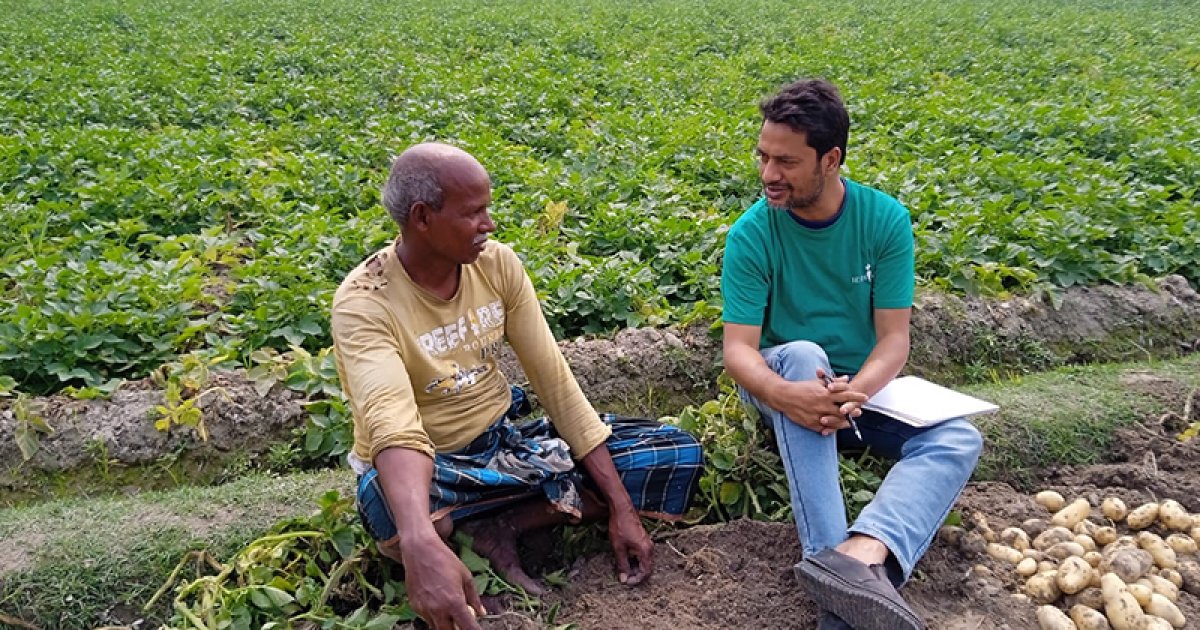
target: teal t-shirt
<point>820,284</point>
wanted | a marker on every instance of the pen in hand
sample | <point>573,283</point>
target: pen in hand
<point>849,418</point>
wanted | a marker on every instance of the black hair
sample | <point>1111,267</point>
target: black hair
<point>812,107</point>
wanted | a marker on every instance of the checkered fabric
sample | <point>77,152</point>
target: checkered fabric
<point>659,465</point>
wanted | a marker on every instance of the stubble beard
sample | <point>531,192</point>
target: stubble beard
<point>807,201</point>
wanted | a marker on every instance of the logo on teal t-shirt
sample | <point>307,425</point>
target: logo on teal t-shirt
<point>820,284</point>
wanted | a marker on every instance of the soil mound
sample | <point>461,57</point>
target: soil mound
<point>738,575</point>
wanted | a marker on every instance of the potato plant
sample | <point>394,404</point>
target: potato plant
<point>200,175</point>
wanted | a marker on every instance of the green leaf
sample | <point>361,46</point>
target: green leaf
<point>313,438</point>
<point>27,443</point>
<point>358,617</point>
<point>343,541</point>
<point>473,561</point>
<point>721,460</point>
<point>862,496</point>
<point>269,598</point>
<point>483,583</point>
<point>731,492</point>
<point>383,621</point>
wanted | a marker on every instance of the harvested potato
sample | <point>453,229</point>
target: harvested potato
<point>1172,515</point>
<point>1162,586</point>
<point>1052,536</point>
<point>1005,553</point>
<point>1189,571</point>
<point>1027,567</point>
<point>1141,592</point>
<point>1050,500</point>
<point>1124,541</point>
<point>1074,575</point>
<point>1035,554</point>
<point>1064,550</point>
<point>1142,517</point>
<point>1085,528</point>
<point>972,543</point>
<point>1162,607</point>
<point>1127,564</point>
<point>1035,526</point>
<point>1194,534</point>
<point>1164,556</point>
<point>1122,609</point>
<point>1172,576</point>
<point>1086,542</point>
<point>1104,535</point>
<point>1087,618</point>
<point>1181,543</point>
<point>1090,597</point>
<point>1113,509</point>
<point>1042,588</point>
<point>1047,566</point>
<point>1071,515</point>
<point>1093,558</point>
<point>951,534</point>
<point>978,522</point>
<point>1150,622</point>
<point>1051,618</point>
<point>1015,537</point>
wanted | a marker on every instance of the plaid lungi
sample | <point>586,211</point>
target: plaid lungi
<point>659,465</point>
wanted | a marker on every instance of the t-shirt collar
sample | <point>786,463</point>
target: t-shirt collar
<point>820,225</point>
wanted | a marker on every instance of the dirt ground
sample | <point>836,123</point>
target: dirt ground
<point>738,575</point>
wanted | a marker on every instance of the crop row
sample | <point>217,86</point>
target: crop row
<point>179,177</point>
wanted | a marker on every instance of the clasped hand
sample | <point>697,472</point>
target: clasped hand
<point>821,404</point>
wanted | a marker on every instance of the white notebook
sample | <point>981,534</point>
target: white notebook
<point>920,403</point>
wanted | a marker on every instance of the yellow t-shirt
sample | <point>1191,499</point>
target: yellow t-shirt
<point>420,372</point>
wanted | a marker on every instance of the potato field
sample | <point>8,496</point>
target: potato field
<point>184,184</point>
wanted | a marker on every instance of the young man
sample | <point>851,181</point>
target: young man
<point>818,287</point>
<point>417,328</point>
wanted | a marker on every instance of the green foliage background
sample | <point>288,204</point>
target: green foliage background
<point>181,176</point>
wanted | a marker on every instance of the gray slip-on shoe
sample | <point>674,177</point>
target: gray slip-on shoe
<point>863,598</point>
<point>829,621</point>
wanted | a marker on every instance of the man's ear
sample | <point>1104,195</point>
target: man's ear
<point>419,216</point>
<point>832,160</point>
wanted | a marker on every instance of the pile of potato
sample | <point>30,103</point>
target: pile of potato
<point>1123,572</point>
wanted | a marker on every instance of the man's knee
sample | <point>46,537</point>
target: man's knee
<point>965,438</point>
<point>797,359</point>
<point>973,441</point>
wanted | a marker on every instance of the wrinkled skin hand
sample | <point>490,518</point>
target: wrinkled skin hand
<point>632,547</point>
<point>440,588</point>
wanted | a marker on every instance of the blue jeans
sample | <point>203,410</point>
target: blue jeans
<point>932,466</point>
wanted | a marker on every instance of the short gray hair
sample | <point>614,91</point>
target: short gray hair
<point>413,179</point>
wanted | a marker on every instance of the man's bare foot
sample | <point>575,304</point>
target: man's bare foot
<point>496,540</point>
<point>865,549</point>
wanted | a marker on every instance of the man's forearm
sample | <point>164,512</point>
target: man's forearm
<point>886,360</point>
<point>600,468</point>
<point>405,476</point>
<point>751,372</point>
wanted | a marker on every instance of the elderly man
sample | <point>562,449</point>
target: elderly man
<point>818,288</point>
<point>417,328</point>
